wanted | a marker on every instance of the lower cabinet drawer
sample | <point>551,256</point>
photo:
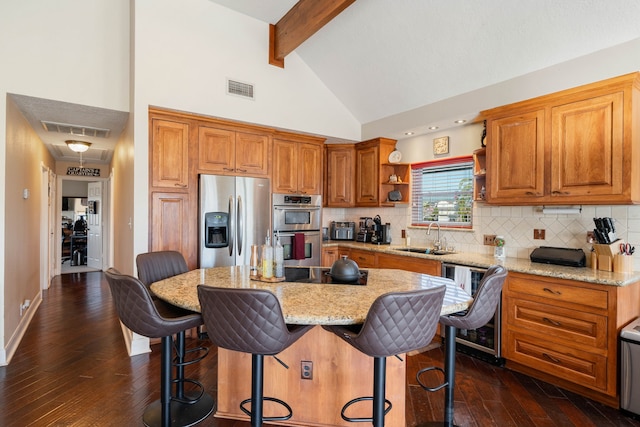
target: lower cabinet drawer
<point>559,324</point>
<point>578,366</point>
<point>364,259</point>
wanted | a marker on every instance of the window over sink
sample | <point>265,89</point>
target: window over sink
<point>442,192</point>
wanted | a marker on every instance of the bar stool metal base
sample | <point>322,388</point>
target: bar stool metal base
<point>181,414</point>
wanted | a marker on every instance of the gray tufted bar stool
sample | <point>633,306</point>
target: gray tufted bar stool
<point>139,312</point>
<point>478,314</point>
<point>396,323</point>
<point>160,265</point>
<point>249,321</point>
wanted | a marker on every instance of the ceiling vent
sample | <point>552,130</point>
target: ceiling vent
<point>244,90</point>
<point>77,130</point>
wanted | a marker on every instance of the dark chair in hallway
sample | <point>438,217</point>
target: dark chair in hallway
<point>396,323</point>
<point>141,314</point>
<point>249,321</point>
<point>478,314</point>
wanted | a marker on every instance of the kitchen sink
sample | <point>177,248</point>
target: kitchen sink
<point>423,251</point>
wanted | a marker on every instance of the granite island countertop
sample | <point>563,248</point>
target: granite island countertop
<point>311,303</point>
<point>583,274</point>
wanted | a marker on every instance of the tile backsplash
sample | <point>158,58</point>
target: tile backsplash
<point>514,223</point>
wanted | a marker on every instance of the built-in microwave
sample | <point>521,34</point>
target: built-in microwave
<point>296,212</point>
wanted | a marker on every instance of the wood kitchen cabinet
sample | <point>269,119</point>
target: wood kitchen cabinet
<point>173,201</point>
<point>229,152</point>
<point>370,155</point>
<point>174,225</point>
<point>417,265</point>
<point>169,154</point>
<point>565,332</point>
<point>578,146</point>
<point>297,165</point>
<point>183,145</point>
<point>340,183</point>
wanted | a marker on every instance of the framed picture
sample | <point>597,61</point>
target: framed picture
<point>441,145</point>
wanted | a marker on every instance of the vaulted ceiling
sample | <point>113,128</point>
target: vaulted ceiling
<point>385,57</point>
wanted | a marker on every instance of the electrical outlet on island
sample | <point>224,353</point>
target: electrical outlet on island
<point>538,233</point>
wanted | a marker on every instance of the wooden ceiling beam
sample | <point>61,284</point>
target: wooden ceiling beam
<point>301,22</point>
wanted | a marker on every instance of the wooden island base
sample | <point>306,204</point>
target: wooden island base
<point>340,373</point>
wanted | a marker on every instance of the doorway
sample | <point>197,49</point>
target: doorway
<point>82,246</point>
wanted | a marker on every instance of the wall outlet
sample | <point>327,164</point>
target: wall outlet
<point>306,370</point>
<point>591,238</point>
<point>489,238</point>
<point>538,233</point>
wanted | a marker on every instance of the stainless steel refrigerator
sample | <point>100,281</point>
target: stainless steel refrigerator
<point>235,213</point>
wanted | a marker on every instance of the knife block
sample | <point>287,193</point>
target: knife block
<point>606,254</point>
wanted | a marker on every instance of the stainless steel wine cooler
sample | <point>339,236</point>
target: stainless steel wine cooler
<point>485,341</point>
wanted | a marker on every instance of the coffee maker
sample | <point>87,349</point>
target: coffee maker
<point>380,234</point>
<point>364,230</point>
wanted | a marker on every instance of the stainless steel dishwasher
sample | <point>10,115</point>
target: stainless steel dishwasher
<point>630,369</point>
<point>485,341</point>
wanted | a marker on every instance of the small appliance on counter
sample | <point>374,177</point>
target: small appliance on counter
<point>559,256</point>
<point>342,230</point>
<point>380,234</point>
<point>364,230</point>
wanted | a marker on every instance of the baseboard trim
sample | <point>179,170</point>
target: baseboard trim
<point>12,346</point>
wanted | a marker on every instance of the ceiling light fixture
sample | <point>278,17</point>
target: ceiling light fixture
<point>408,133</point>
<point>460,121</point>
<point>433,127</point>
<point>78,146</point>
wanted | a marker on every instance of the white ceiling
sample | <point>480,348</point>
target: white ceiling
<point>383,58</point>
<point>37,110</point>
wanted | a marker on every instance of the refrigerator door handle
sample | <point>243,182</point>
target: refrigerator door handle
<point>240,224</point>
<point>232,232</point>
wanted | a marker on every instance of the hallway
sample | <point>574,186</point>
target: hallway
<point>72,369</point>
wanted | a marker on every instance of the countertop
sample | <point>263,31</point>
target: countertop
<point>583,274</point>
<point>309,303</point>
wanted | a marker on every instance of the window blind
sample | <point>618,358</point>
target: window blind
<point>443,192</point>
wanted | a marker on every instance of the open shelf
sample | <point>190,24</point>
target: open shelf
<point>402,172</point>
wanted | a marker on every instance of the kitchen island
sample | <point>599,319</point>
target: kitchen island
<point>339,372</point>
<point>560,324</point>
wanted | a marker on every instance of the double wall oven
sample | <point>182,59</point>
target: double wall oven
<point>297,220</point>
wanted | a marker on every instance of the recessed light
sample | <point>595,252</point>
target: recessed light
<point>408,133</point>
<point>433,127</point>
<point>460,121</point>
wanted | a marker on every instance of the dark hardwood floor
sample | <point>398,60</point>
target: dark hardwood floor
<point>72,369</point>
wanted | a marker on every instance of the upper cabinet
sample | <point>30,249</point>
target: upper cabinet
<point>169,157</point>
<point>573,147</point>
<point>376,178</point>
<point>340,185</point>
<point>297,164</point>
<point>229,152</point>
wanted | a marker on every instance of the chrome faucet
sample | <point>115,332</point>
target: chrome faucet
<point>437,245</point>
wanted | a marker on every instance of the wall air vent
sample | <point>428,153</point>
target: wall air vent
<point>244,90</point>
<point>77,130</point>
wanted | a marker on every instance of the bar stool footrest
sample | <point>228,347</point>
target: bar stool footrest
<point>362,399</point>
<point>427,369</point>
<point>269,399</point>
<point>176,359</point>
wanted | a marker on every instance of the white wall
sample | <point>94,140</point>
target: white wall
<point>185,51</point>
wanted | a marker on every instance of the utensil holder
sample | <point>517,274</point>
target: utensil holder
<point>623,263</point>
